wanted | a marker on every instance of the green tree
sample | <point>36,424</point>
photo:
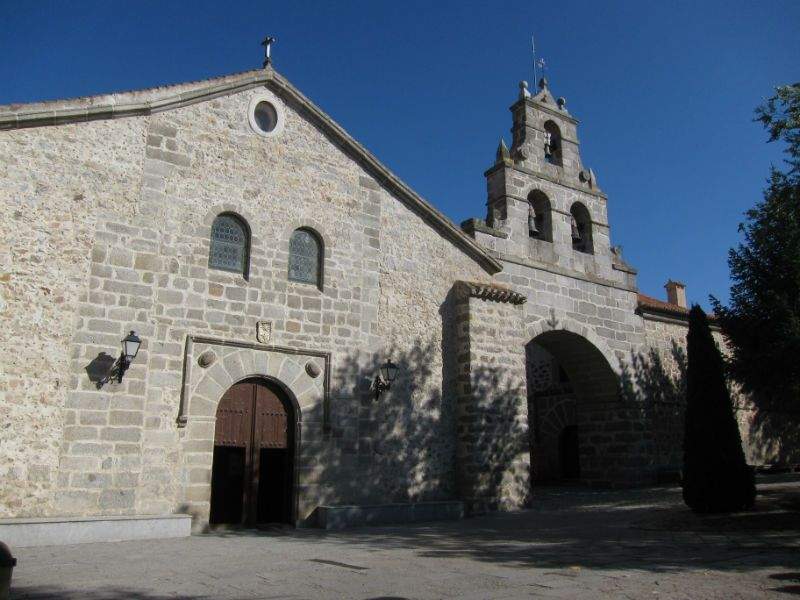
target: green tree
<point>762,321</point>
<point>716,477</point>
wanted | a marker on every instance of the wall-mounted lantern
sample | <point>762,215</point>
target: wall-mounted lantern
<point>130,348</point>
<point>385,377</point>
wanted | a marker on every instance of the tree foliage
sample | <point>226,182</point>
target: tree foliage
<point>762,321</point>
<point>716,477</point>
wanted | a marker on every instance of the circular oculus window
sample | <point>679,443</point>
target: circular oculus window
<point>266,115</point>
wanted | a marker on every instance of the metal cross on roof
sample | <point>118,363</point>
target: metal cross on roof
<point>267,43</point>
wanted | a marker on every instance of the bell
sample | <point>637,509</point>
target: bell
<point>532,228</point>
<point>576,231</point>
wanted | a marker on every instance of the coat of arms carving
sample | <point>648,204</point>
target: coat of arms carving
<point>263,331</point>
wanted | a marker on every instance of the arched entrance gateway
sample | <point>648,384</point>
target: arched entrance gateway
<point>579,425</point>
<point>252,477</point>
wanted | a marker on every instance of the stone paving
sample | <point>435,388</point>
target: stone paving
<point>574,543</point>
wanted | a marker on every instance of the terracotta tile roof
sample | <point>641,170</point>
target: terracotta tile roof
<point>655,305</point>
<point>648,302</point>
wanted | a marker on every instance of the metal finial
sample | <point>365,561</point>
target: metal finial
<point>267,43</point>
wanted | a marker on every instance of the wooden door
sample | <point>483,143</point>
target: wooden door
<point>253,428</point>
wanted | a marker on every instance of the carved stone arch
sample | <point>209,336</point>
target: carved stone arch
<point>302,386</point>
<point>604,448</point>
<point>585,331</point>
<point>285,370</point>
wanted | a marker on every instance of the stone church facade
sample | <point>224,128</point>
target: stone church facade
<point>272,267</point>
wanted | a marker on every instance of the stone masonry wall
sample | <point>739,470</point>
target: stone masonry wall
<point>54,188</point>
<point>492,415</point>
<point>768,433</point>
<point>110,225</point>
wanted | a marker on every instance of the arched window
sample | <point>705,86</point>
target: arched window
<point>230,244</point>
<point>305,257</point>
<point>581,225</point>
<point>540,223</point>
<point>552,145</point>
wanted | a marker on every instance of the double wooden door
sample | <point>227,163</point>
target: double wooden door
<point>251,479</point>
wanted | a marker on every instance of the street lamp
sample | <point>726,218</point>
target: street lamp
<point>130,348</point>
<point>386,376</point>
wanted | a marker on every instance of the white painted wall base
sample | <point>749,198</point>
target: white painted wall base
<point>59,531</point>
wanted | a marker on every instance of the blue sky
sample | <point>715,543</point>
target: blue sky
<point>665,92</point>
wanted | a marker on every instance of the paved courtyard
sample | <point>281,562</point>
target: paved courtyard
<point>574,543</point>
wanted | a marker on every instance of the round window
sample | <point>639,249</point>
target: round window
<point>266,116</point>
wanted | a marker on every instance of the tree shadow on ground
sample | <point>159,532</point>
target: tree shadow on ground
<point>646,529</point>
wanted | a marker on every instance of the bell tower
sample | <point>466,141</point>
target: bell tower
<point>544,206</point>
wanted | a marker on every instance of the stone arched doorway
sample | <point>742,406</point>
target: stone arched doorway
<point>575,410</point>
<point>252,475</point>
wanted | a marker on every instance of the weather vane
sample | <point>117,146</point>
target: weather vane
<point>267,43</point>
<point>540,64</point>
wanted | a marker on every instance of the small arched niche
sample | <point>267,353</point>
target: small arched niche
<point>581,228</point>
<point>540,218</point>
<point>552,146</point>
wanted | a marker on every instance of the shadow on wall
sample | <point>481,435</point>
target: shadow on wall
<point>401,447</point>
<point>661,392</point>
<point>770,432</point>
<point>102,369</point>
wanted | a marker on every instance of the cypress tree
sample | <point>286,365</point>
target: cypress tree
<point>716,477</point>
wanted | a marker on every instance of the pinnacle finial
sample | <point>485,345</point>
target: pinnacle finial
<point>502,154</point>
<point>523,90</point>
<point>543,83</point>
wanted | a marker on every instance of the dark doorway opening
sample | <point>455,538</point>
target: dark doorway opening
<point>569,453</point>
<point>275,480</point>
<point>227,484</point>
<point>253,466</point>
<point>572,393</point>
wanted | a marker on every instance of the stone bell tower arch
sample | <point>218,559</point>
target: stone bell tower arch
<point>547,223</point>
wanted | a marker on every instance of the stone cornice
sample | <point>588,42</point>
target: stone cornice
<point>18,119</point>
<point>491,292</point>
<point>565,272</point>
<point>546,177</point>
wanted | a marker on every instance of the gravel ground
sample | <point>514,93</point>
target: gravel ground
<point>574,543</point>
